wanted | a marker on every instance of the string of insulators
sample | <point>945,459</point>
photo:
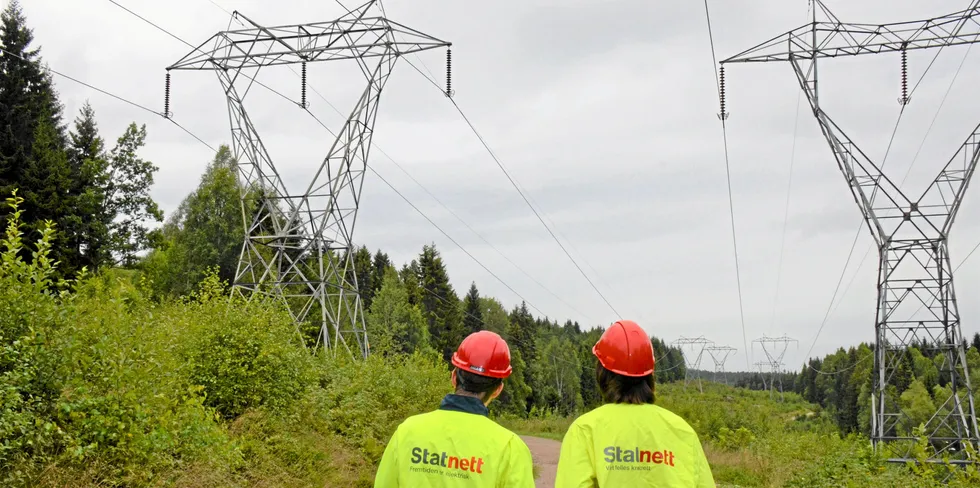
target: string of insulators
<point>449,72</point>
<point>303,86</point>
<point>721,93</point>
<point>905,77</point>
<point>166,98</point>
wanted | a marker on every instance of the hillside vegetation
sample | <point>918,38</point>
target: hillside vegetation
<point>102,386</point>
<point>751,440</point>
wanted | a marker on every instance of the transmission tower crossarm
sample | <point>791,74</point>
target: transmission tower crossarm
<point>833,38</point>
<point>350,37</point>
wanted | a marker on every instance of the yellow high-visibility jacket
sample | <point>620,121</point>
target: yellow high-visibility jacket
<point>632,445</point>
<point>455,446</point>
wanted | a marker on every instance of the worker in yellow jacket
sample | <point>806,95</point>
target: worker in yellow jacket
<point>629,441</point>
<point>458,445</point>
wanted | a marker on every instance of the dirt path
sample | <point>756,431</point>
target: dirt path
<point>545,454</point>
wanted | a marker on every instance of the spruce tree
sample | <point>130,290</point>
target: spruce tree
<point>525,332</point>
<point>32,139</point>
<point>44,186</point>
<point>522,336</point>
<point>410,276</point>
<point>89,226</point>
<point>27,98</point>
<point>380,266</point>
<point>473,318</point>
<point>363,270</point>
<point>394,325</point>
<point>588,385</point>
<point>494,315</point>
<point>440,305</point>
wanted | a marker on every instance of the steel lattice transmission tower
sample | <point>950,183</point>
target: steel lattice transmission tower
<point>298,245</point>
<point>916,300</point>
<point>763,367</point>
<point>774,357</point>
<point>693,362</point>
<point>719,355</point>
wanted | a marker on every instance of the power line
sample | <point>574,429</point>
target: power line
<point>536,214</point>
<point>728,175</point>
<point>500,165</point>
<point>196,48</point>
<point>220,7</point>
<point>426,217</point>
<point>431,79</point>
<point>151,23</point>
<point>112,95</point>
<point>789,192</point>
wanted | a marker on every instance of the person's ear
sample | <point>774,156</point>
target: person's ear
<point>453,379</point>
<point>495,394</point>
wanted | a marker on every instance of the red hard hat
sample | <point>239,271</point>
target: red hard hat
<point>625,349</point>
<point>484,353</point>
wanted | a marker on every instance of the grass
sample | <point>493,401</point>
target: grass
<point>752,441</point>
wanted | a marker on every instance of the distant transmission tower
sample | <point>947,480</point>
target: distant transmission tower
<point>763,368</point>
<point>719,355</point>
<point>298,245</point>
<point>916,300</point>
<point>693,361</point>
<point>775,352</point>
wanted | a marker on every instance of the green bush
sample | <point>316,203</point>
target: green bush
<point>29,382</point>
<point>245,355</point>
<point>364,401</point>
<point>128,404</point>
<point>733,440</point>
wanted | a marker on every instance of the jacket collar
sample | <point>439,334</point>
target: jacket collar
<point>459,403</point>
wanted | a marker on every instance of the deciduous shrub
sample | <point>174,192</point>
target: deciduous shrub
<point>29,383</point>
<point>245,354</point>
<point>364,401</point>
<point>733,440</point>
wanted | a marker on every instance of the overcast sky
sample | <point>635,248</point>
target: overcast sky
<point>605,112</point>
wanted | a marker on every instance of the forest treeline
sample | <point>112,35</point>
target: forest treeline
<point>842,384</point>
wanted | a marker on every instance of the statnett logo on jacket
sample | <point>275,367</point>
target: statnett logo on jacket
<point>632,445</point>
<point>455,446</point>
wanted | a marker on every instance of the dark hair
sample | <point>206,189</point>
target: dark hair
<point>474,383</point>
<point>616,388</point>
